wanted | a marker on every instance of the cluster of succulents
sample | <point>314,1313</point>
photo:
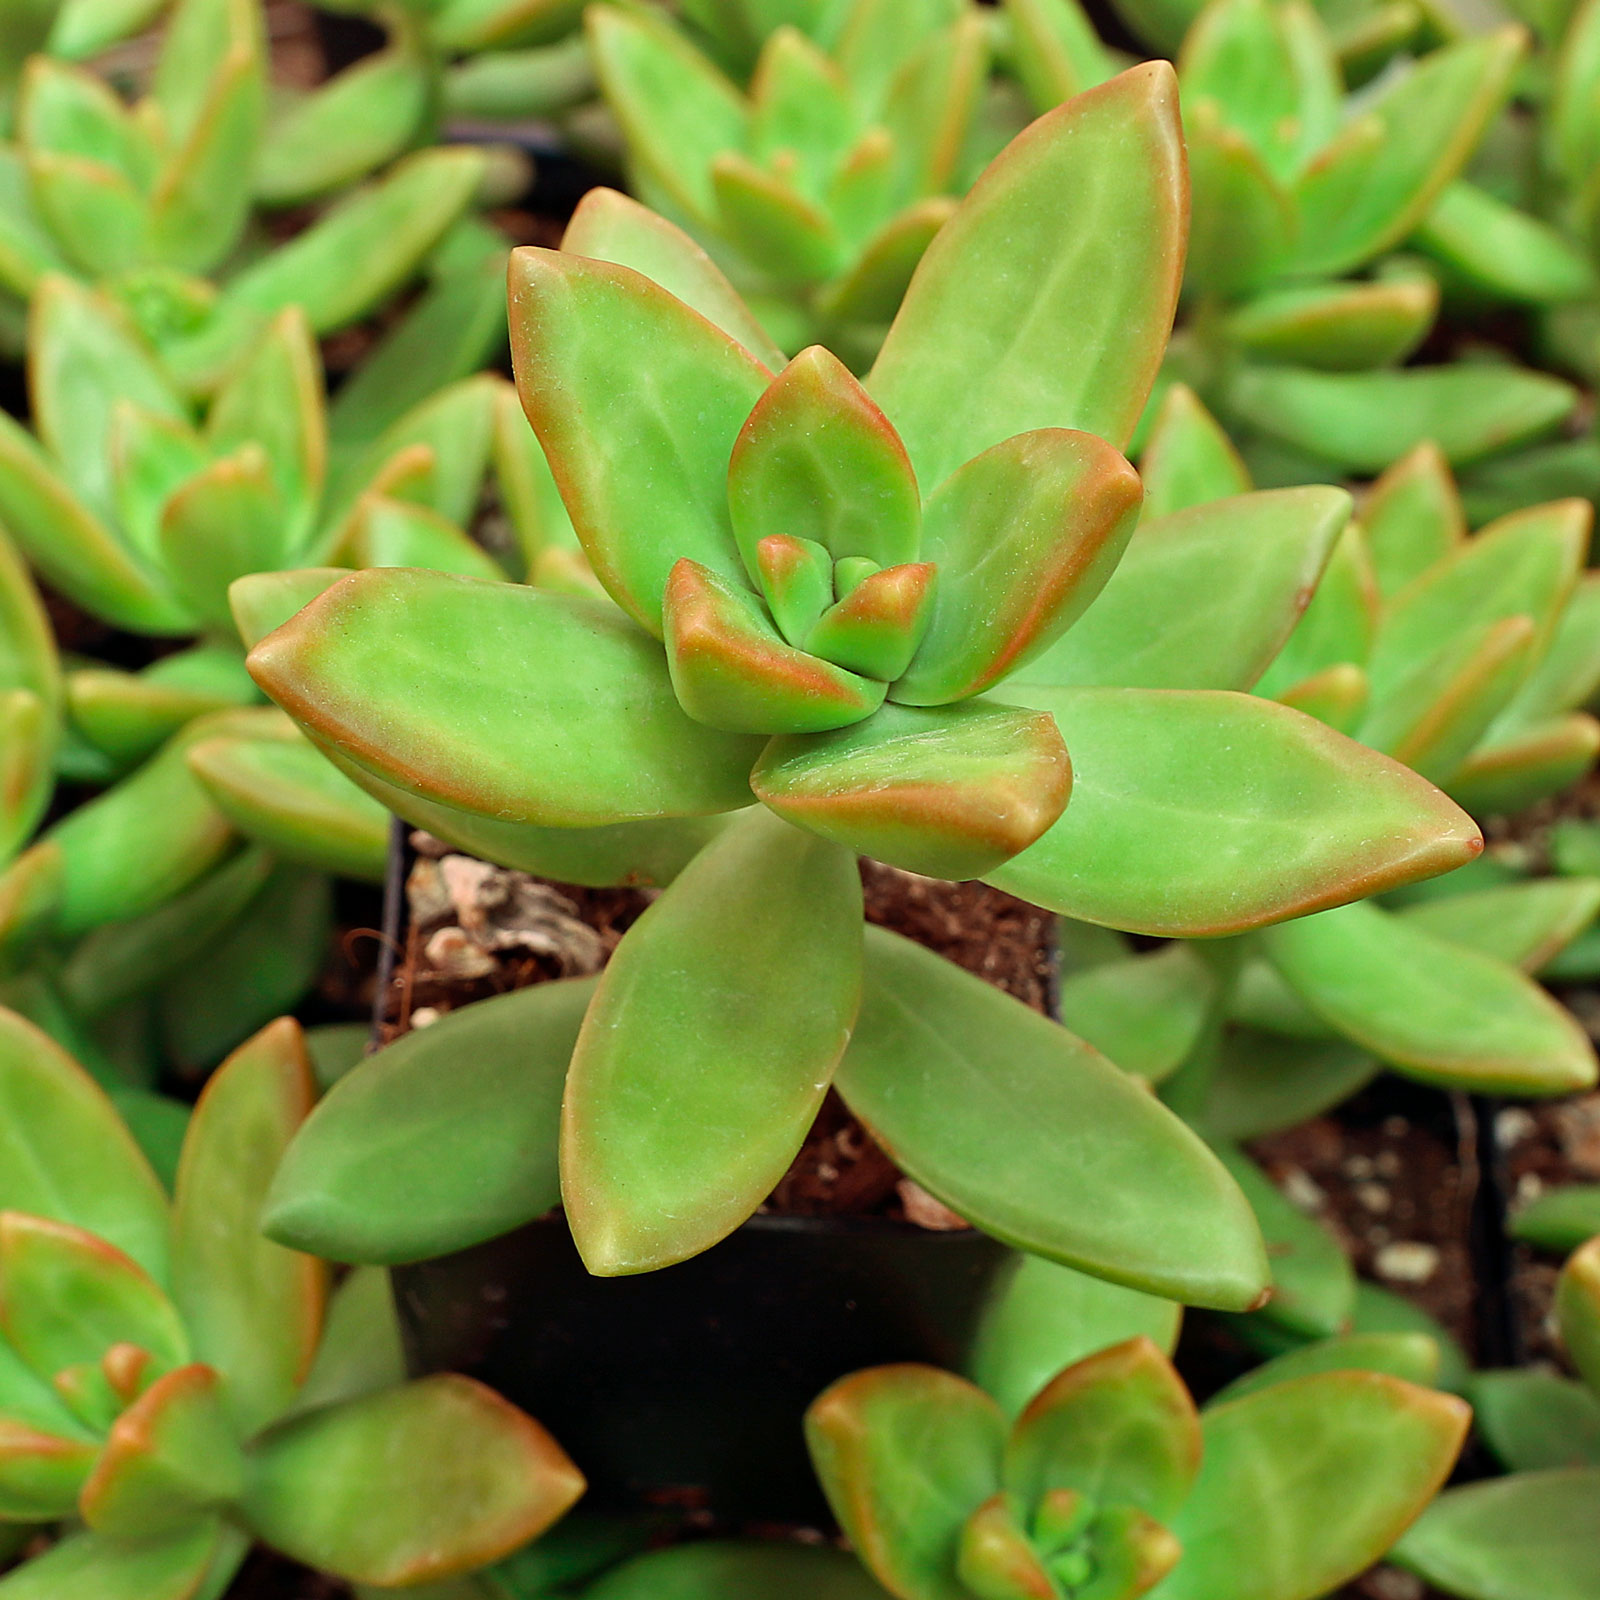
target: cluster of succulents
<point>946,445</point>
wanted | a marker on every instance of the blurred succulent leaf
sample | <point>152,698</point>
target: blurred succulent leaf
<point>253,1310</point>
<point>169,1458</point>
<point>1033,1093</point>
<point>446,1476</point>
<point>1336,628</point>
<point>952,376</point>
<point>1413,1357</point>
<point>41,1473</point>
<point>1117,1426</point>
<point>1313,1284</point>
<point>948,791</point>
<point>396,533</point>
<point>348,126</point>
<point>1526,1537</point>
<point>1578,1311</point>
<point>900,1502</point>
<point>733,1065</point>
<point>1024,537</point>
<point>1307,1483</point>
<point>1535,1421</point>
<point>1145,1012</point>
<point>1361,420</point>
<point>1041,1317</point>
<point>727,1569</point>
<point>1434,1008</point>
<point>360,1350</point>
<point>70,1296</point>
<point>1510,775</point>
<point>647,487</point>
<point>1244,221</point>
<point>288,797</point>
<point>789,238</point>
<point>264,601</point>
<point>1187,459</point>
<point>70,1157</point>
<point>1503,251</point>
<point>1362,194</point>
<point>1560,1219</point>
<point>1204,598</point>
<point>1055,51</point>
<point>1337,327</point>
<point>485,1081</point>
<point>1567,674</point>
<point>88,1566</point>
<point>1412,517</point>
<point>1521,923</point>
<point>389,695</point>
<point>1196,812</point>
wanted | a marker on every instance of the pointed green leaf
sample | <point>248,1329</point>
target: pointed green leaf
<point>789,239</point>
<point>697,1072</point>
<point>1024,537</point>
<point>1336,629</point>
<point>1262,1082</point>
<point>382,666</point>
<point>1313,1284</point>
<point>1145,1012</point>
<point>86,1566</point>
<point>1515,773</point>
<point>1306,1484</point>
<point>41,1473</point>
<point>1049,1128</point>
<point>1528,1537</point>
<point>1432,1007</point>
<point>676,109</point>
<point>253,1309</point>
<point>396,533</point>
<point>643,471</point>
<point>930,102</point>
<point>1188,459</point>
<point>1042,1317</point>
<point>1118,1426</point>
<point>1055,51</point>
<point>1204,598</point>
<point>905,1454</point>
<point>1523,923</point>
<point>1503,251</point>
<point>731,669</point>
<point>364,1180</point>
<point>1568,674</point>
<point>949,791</point>
<point>1361,420</point>
<point>818,460</point>
<point>1356,199</point>
<point>66,1297</point>
<point>1074,234</point>
<point>1534,1421</point>
<point>408,1484</point>
<point>1340,327</point>
<point>870,290</point>
<point>608,226</point>
<point>266,600</point>
<point>1243,220</point>
<point>66,1153</point>
<point>1412,517</point>
<point>876,628</point>
<point>1205,813</point>
<point>1237,56</point>
<point>1560,1219</point>
<point>169,1458</point>
<point>284,795</point>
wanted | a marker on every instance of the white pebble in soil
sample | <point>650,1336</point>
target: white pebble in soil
<point>1406,1261</point>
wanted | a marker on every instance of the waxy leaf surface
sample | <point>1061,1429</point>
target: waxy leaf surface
<point>1049,1128</point>
<point>709,1045</point>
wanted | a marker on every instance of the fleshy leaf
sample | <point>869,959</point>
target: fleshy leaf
<point>642,468</point>
<point>86,1566</point>
<point>169,1458</point>
<point>384,665</point>
<point>796,578</point>
<point>1024,537</point>
<point>1049,1126</point>
<point>1146,1012</point>
<point>1045,1317</point>
<point>1534,1421</point>
<point>985,346</point>
<point>905,1454</point>
<point>409,1484</point>
<point>66,1297</point>
<point>949,791</point>
<point>1413,1357</point>
<point>1523,923</point>
<point>1432,1007</point>
<point>1196,812</point>
<point>817,459</point>
<point>1578,1311</point>
<point>1560,1219</point>
<point>41,1473</point>
<point>1307,1483</point>
<point>876,628</point>
<point>1188,459</point>
<point>1527,1537</point>
<point>253,1309</point>
<point>1412,517</point>
<point>697,1072</point>
<point>65,1153</point>
<point>1340,327</point>
<point>727,1569</point>
<point>1204,598</point>
<point>364,1179</point>
<point>732,670</point>
<point>1118,1426</point>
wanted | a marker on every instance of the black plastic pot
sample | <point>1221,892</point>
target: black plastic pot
<point>687,1386</point>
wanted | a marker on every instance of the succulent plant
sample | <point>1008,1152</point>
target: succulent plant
<point>800,621</point>
<point>1111,1485</point>
<point>70,29</point>
<point>175,1386</point>
<point>149,197</point>
<point>1530,1535</point>
<point>822,184</point>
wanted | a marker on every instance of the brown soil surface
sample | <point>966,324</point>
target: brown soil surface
<point>266,1576</point>
<point>1394,1173</point>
